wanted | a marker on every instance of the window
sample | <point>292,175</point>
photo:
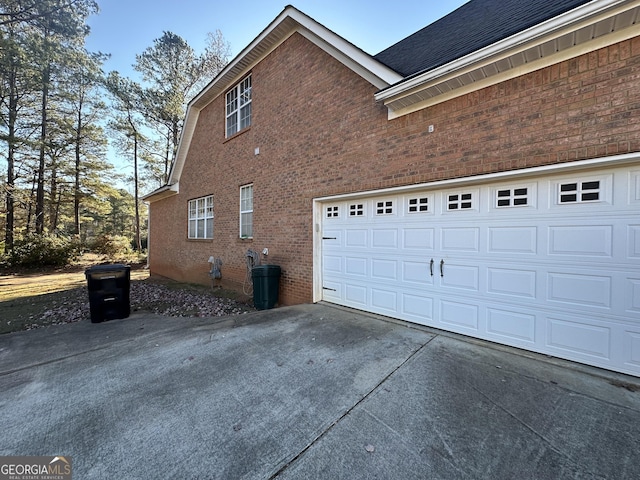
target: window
<point>417,205</point>
<point>356,210</point>
<point>201,217</point>
<point>459,201</point>
<point>239,107</point>
<point>515,197</point>
<point>384,207</point>
<point>246,211</point>
<point>333,212</point>
<point>578,192</point>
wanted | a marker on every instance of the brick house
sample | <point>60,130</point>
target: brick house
<point>481,176</point>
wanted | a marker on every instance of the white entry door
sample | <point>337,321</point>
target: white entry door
<point>551,265</point>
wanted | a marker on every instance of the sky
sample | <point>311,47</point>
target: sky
<point>124,28</point>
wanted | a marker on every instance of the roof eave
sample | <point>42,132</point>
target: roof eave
<point>586,28</point>
<point>162,193</point>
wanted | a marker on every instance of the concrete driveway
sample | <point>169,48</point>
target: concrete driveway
<point>307,392</point>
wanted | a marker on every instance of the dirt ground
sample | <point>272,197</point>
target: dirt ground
<point>38,299</point>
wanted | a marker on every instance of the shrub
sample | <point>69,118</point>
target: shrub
<point>111,245</point>
<point>43,250</point>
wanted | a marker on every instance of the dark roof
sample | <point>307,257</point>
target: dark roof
<point>474,25</point>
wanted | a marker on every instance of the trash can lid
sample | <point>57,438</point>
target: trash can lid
<point>113,268</point>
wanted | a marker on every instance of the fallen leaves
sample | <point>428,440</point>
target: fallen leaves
<point>144,297</point>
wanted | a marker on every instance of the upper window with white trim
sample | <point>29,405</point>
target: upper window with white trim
<point>239,107</point>
<point>201,218</point>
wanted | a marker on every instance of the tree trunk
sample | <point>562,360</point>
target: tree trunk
<point>41,164</point>
<point>11,176</point>
<point>76,184</point>
<point>135,194</point>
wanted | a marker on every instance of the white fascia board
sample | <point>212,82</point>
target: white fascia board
<point>345,52</point>
<point>506,46</point>
<point>190,121</point>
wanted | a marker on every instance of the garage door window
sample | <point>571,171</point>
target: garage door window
<point>384,207</point>
<point>512,197</point>
<point>333,212</point>
<point>460,201</point>
<point>418,205</point>
<point>356,210</point>
<point>578,192</point>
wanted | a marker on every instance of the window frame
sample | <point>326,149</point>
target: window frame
<point>238,107</point>
<point>246,212</point>
<point>200,209</point>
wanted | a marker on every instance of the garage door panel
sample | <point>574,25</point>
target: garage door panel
<point>519,240</point>
<point>356,238</point>
<point>332,291</point>
<point>417,272</point>
<point>332,264</point>
<point>514,326</point>
<point>384,238</point>
<point>356,266</point>
<point>456,276</point>
<point>582,240</point>
<point>460,239</point>
<point>580,290</point>
<point>384,269</point>
<point>355,294</point>
<point>516,283</point>
<point>385,300</point>
<point>417,308</point>
<point>460,316</point>
<point>577,337</point>
<point>421,239</point>
<point>633,242</point>
<point>631,350</point>
<point>633,297</point>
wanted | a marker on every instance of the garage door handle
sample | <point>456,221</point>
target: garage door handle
<point>431,267</point>
<point>442,268</point>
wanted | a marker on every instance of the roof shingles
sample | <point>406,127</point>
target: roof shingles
<point>473,26</point>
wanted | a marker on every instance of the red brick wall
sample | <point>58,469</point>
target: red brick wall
<point>321,133</point>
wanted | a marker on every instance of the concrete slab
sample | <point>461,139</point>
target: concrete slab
<point>311,391</point>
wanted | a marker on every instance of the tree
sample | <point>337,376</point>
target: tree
<point>37,37</point>
<point>128,125</point>
<point>174,72</point>
<point>62,31</point>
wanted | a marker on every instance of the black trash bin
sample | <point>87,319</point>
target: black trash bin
<point>266,286</point>
<point>108,287</point>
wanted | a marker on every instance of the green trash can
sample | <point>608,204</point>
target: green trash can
<point>266,286</point>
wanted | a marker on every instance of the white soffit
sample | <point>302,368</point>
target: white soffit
<point>582,30</point>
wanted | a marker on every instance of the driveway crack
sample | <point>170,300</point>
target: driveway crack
<point>323,433</point>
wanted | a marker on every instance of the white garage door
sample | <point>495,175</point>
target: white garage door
<point>551,265</point>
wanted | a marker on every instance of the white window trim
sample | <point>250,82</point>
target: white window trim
<point>197,215</point>
<point>246,211</point>
<point>242,101</point>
